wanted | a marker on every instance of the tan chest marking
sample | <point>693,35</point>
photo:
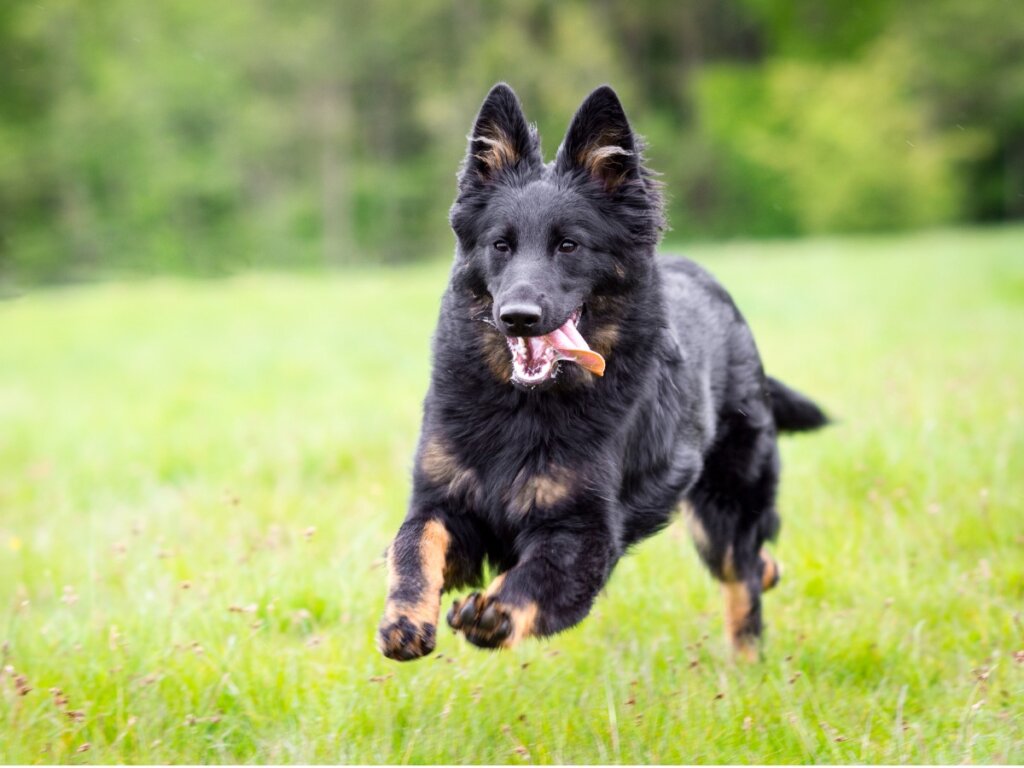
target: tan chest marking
<point>442,468</point>
<point>544,490</point>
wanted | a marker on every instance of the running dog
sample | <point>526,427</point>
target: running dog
<point>583,389</point>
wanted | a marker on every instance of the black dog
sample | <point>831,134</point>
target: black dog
<point>581,391</point>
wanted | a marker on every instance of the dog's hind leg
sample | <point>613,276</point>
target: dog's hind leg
<point>733,514</point>
<point>736,557</point>
<point>742,587</point>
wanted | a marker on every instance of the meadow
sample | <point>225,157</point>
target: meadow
<point>199,478</point>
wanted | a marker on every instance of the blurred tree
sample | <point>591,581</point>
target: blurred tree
<point>968,67</point>
<point>205,137</point>
<point>833,149</point>
<point>820,29</point>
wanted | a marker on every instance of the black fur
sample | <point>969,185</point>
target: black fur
<point>793,412</point>
<point>551,485</point>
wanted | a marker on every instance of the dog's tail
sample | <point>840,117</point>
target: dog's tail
<point>794,412</point>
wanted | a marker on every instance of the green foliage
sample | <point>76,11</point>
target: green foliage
<point>821,29</point>
<point>200,476</point>
<point>201,138</point>
<point>813,149</point>
<point>966,65</point>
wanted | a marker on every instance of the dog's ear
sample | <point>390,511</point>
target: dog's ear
<point>501,139</point>
<point>600,142</point>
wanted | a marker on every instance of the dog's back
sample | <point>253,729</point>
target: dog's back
<point>708,369</point>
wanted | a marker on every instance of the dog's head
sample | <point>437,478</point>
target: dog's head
<point>550,251</point>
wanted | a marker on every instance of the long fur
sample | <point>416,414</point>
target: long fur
<point>552,485</point>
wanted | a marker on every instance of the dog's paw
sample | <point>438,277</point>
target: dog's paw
<point>405,639</point>
<point>771,571</point>
<point>484,621</point>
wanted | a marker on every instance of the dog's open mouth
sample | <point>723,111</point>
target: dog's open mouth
<point>535,358</point>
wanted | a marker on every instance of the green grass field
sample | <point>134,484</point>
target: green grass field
<point>198,479</point>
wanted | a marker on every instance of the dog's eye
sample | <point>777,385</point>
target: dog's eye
<point>568,246</point>
<point>502,246</point>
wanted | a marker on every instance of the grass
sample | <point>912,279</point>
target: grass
<point>199,478</point>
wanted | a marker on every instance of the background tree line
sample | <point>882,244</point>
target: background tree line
<point>203,137</point>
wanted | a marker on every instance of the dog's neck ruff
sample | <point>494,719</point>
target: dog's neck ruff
<point>535,358</point>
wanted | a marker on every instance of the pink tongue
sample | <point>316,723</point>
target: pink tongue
<point>567,337</point>
<point>572,346</point>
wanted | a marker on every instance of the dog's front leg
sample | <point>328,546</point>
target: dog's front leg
<point>416,559</point>
<point>551,588</point>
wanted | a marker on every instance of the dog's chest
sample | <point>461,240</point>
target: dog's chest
<point>517,482</point>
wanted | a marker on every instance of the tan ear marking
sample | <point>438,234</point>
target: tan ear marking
<point>596,159</point>
<point>599,158</point>
<point>500,151</point>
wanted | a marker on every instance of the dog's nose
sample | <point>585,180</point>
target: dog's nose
<point>520,318</point>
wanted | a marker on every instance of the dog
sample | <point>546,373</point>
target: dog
<point>582,391</point>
